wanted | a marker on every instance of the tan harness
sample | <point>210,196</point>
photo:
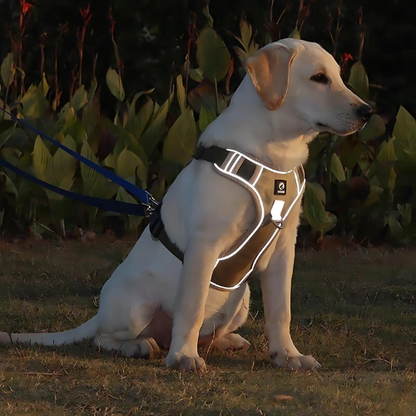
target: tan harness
<point>281,189</point>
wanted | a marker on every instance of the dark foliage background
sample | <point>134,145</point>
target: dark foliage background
<point>134,108</point>
<point>152,38</point>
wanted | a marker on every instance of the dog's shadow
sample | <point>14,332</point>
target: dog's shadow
<point>233,360</point>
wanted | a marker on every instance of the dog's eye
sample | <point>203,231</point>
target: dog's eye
<point>321,78</point>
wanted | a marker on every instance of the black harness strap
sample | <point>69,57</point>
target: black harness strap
<point>215,154</point>
<point>157,229</point>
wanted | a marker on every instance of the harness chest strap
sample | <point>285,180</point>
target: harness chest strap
<point>236,265</point>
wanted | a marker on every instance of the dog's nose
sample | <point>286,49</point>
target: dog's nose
<point>365,112</point>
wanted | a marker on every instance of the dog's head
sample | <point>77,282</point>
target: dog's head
<point>306,79</point>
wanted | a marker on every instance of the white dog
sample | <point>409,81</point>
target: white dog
<point>292,92</point>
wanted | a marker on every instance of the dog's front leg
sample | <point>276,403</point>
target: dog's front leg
<point>189,310</point>
<point>276,287</point>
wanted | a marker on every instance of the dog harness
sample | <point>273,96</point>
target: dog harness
<point>283,190</point>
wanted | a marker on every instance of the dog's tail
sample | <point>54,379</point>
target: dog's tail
<point>86,330</point>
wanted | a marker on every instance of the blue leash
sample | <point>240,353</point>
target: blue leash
<point>144,208</point>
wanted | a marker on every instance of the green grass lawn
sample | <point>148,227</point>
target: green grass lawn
<point>354,311</point>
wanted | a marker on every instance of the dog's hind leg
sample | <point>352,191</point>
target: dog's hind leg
<point>140,347</point>
<point>128,338</point>
<point>224,339</point>
<point>231,342</point>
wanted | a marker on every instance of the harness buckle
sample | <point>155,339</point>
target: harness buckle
<point>278,224</point>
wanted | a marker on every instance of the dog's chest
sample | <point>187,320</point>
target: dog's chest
<point>283,187</point>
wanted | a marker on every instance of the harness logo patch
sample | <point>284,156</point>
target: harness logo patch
<point>280,187</point>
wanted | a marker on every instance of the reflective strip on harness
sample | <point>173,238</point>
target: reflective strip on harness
<point>236,265</point>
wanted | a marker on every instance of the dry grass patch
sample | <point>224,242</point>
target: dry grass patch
<point>354,311</point>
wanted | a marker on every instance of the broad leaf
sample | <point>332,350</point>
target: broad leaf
<point>8,185</point>
<point>34,103</point>
<point>43,86</point>
<point>373,196</point>
<point>382,166</point>
<point>181,139</point>
<point>295,34</point>
<point>405,125</point>
<point>375,128</point>
<point>75,128</point>
<point>142,117</point>
<point>133,220</point>
<point>246,33</point>
<point>242,55</point>
<point>405,134</point>
<point>337,168</point>
<point>212,55</point>
<point>206,117</point>
<point>386,152</point>
<point>131,113</point>
<point>8,70</point>
<point>61,169</point>
<point>94,182</point>
<point>92,89</point>
<point>158,188</point>
<point>358,80</point>
<point>319,190</point>
<point>123,139</point>
<point>79,98</point>
<point>41,158</point>
<point>196,74</point>
<point>154,133</point>
<point>129,165</point>
<point>115,84</point>
<point>315,213</point>
<point>204,96</point>
<point>124,196</point>
<point>180,92</point>
<point>386,177</point>
<point>349,151</point>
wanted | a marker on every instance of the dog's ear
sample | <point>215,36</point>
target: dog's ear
<point>269,71</point>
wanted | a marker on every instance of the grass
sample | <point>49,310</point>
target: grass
<point>354,311</point>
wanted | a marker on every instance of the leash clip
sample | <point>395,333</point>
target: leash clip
<point>151,205</point>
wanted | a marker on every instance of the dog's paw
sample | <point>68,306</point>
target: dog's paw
<point>295,361</point>
<point>182,362</point>
<point>231,342</point>
<point>141,348</point>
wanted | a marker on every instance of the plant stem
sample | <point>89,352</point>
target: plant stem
<point>338,29</point>
<point>328,168</point>
<point>42,59</point>
<point>362,33</point>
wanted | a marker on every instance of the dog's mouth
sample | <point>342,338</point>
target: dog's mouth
<point>321,127</point>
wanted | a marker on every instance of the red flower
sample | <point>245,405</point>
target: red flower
<point>346,57</point>
<point>26,7</point>
<point>86,13</point>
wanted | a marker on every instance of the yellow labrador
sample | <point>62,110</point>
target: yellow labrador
<point>292,92</point>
